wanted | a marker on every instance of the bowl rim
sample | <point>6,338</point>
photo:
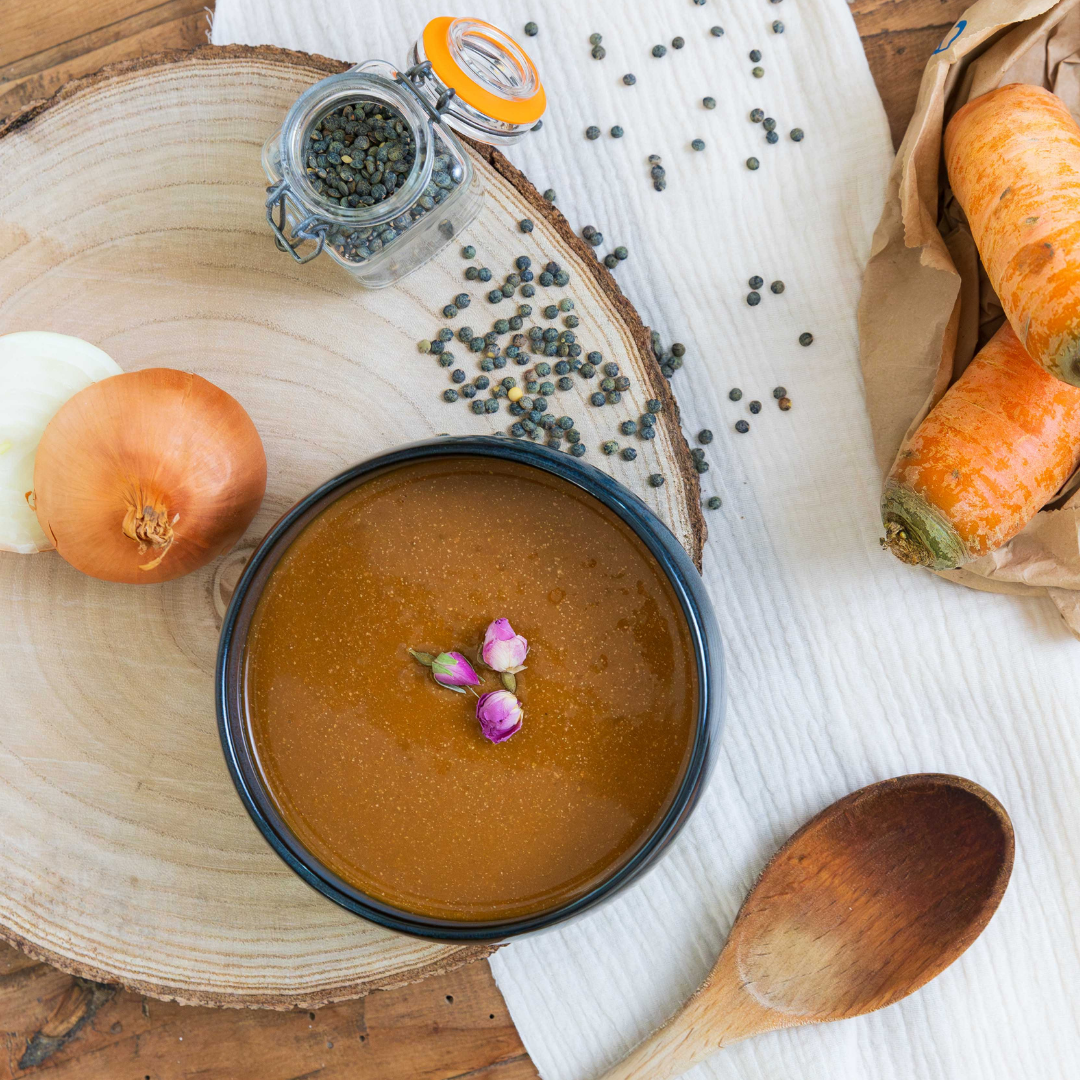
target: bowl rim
<point>664,547</point>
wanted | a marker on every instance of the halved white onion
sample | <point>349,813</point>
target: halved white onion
<point>39,371</point>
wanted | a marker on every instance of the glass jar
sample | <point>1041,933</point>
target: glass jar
<point>384,215</point>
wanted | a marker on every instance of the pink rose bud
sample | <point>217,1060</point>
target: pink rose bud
<point>503,649</point>
<point>453,671</point>
<point>500,715</point>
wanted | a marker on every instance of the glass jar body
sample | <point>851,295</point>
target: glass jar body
<point>381,243</point>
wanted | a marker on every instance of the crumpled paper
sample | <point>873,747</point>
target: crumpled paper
<point>927,306</point>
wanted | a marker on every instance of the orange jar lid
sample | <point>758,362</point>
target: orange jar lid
<point>440,48</point>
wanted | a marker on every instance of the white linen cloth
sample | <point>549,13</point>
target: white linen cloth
<point>844,666</point>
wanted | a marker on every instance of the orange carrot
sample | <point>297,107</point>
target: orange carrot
<point>1013,157</point>
<point>986,459</point>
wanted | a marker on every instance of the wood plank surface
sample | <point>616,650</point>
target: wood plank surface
<point>447,1027</point>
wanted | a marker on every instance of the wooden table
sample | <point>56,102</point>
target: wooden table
<point>445,1028</point>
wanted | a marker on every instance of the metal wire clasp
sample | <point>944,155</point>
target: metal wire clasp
<point>415,77</point>
<point>311,227</point>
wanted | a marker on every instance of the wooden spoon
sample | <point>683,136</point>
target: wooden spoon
<point>867,902</point>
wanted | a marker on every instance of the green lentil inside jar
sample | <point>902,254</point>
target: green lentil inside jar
<point>359,156</point>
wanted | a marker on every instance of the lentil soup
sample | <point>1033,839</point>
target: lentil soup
<point>385,776</point>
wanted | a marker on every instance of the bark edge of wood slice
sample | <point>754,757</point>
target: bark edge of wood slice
<point>125,854</point>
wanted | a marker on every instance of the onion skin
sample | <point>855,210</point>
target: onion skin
<point>148,475</point>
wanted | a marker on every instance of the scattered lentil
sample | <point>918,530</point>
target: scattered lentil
<point>653,405</point>
<point>491,405</point>
<point>592,132</point>
<point>772,138</point>
<point>647,420</point>
<point>598,52</point>
<point>629,453</point>
<point>752,163</point>
<point>450,395</point>
<point>701,466</point>
<point>648,433</point>
<point>562,278</point>
<point>757,72</point>
<point>565,383</point>
<point>777,287</point>
<point>610,447</point>
<point>755,55</point>
<point>742,427</point>
<point>484,274</point>
<point>549,194</point>
<point>531,29</point>
<point>697,454</point>
<point>597,399</point>
<point>677,42</point>
<point>714,502</point>
<point>528,290</point>
<point>716,31</point>
<point>755,407</point>
<point>610,262</point>
<point>658,50</point>
<point>784,403</point>
<point>478,406</point>
<point>779,392</point>
<point>616,132</point>
<point>656,480</point>
<point>537,126</point>
<point>468,252</point>
<point>698,144</point>
<point>734,394</point>
<point>472,273</point>
<point>778,27</point>
<point>595,39</point>
<point>753,298</point>
<point>525,225</point>
<point>769,124</point>
<point>578,449</point>
<point>806,339</point>
<point>446,334</point>
<point>756,116</point>
<point>629,79</point>
<point>424,345</point>
<point>628,427</point>
<point>796,134</point>
<point>705,436</point>
<point>709,102</point>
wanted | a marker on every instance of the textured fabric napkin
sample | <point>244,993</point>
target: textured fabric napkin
<point>845,667</point>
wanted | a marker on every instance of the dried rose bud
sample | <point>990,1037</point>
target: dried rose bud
<point>453,671</point>
<point>500,715</point>
<point>503,649</point>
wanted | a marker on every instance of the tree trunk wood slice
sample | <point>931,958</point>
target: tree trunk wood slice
<point>131,214</point>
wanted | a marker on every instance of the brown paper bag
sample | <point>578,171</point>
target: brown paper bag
<point>927,306</point>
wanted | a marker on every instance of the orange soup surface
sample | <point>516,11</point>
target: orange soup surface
<point>384,776</point>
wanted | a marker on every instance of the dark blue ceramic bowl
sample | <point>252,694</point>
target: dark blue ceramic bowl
<point>669,554</point>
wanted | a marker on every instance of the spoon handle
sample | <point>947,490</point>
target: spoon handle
<point>719,1013</point>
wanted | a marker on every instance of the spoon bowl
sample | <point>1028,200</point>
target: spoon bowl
<point>866,903</point>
